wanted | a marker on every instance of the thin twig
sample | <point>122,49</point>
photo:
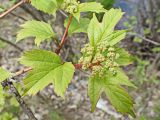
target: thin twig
<point>11,43</point>
<point>13,8</point>
<point>63,13</point>
<point>22,72</point>
<point>64,36</point>
<point>146,39</point>
<point>15,93</point>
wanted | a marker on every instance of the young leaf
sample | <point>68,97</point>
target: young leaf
<point>59,2</point>
<point>124,57</point>
<point>110,19</point>
<point>89,7</point>
<point>40,30</point>
<point>47,68</point>
<point>104,31</point>
<point>78,27</point>
<point>94,91</point>
<point>47,6</point>
<point>119,79</point>
<point>117,96</point>
<point>4,74</point>
<point>94,31</point>
<point>120,99</point>
<point>116,37</point>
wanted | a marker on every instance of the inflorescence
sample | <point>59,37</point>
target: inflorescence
<point>71,6</point>
<point>99,59</point>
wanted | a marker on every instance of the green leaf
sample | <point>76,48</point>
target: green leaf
<point>47,6</point>
<point>59,2</point>
<point>94,31</point>
<point>120,99</point>
<point>40,30</point>
<point>94,91</point>
<point>78,27</point>
<point>39,58</point>
<point>116,37</point>
<point>104,31</point>
<point>47,68</point>
<point>110,20</point>
<point>89,7</point>
<point>124,57</point>
<point>4,74</point>
<point>119,79</point>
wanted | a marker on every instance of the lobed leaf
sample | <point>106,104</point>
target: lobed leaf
<point>119,79</point>
<point>110,84</point>
<point>40,30</point>
<point>105,29</point>
<point>94,31</point>
<point>47,68</point>
<point>94,91</point>
<point>120,99</point>
<point>110,20</point>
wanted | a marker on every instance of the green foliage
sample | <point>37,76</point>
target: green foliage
<point>47,68</point>
<point>4,74</point>
<point>156,49</point>
<point>103,56</point>
<point>98,32</point>
<point>140,71</point>
<point>116,94</point>
<point>8,116</point>
<point>47,6</point>
<point>124,57</point>
<point>78,27</point>
<point>88,7</point>
<point>106,3</point>
<point>40,30</point>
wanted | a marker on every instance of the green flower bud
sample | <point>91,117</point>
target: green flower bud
<point>99,57</point>
<point>111,55</point>
<point>81,60</point>
<point>108,63</point>
<point>111,49</point>
<point>115,64</point>
<point>70,6</point>
<point>117,56</point>
<point>111,69</point>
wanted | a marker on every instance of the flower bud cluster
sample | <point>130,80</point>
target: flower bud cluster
<point>110,63</point>
<point>99,60</point>
<point>87,52</point>
<point>102,46</point>
<point>71,6</point>
<point>97,70</point>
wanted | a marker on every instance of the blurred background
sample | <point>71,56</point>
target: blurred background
<point>142,18</point>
